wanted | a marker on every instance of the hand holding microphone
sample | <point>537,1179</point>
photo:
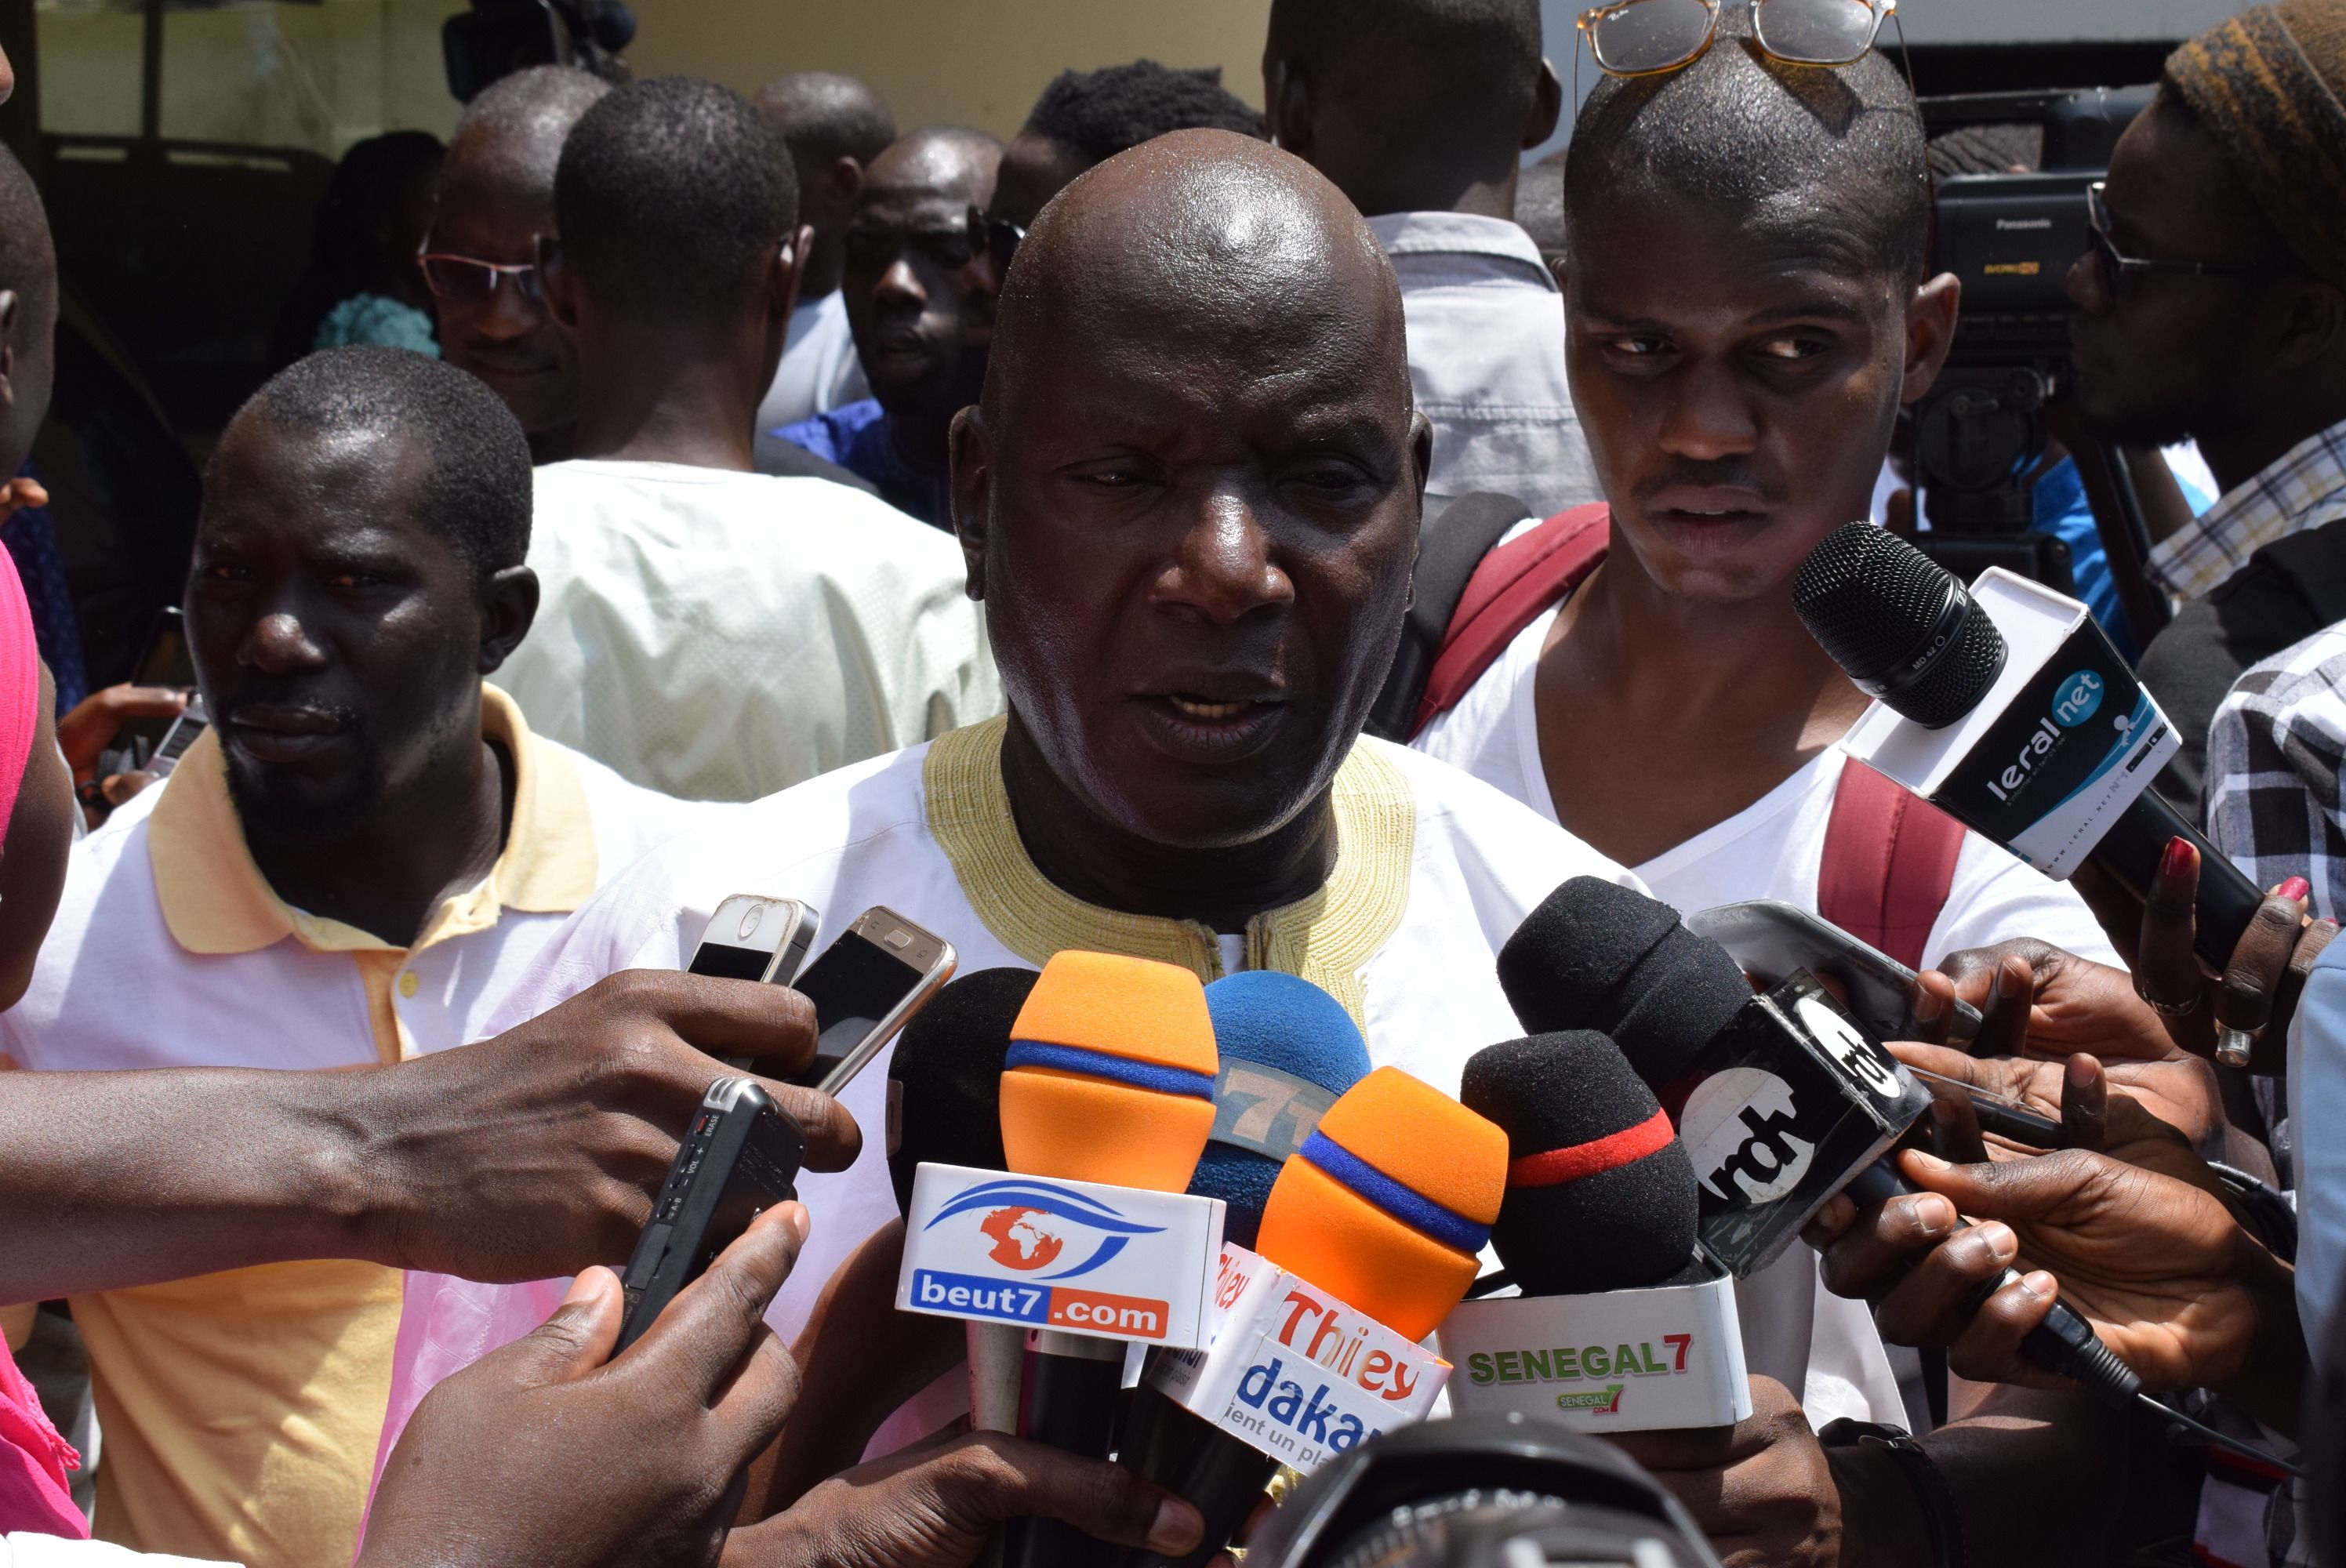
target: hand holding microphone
<point>1776,1100</point>
<point>2158,1266</point>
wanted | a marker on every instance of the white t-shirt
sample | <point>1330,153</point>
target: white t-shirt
<point>720,637</point>
<point>1429,995</point>
<point>819,369</point>
<point>1773,848</point>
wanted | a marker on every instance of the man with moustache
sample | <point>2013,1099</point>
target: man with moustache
<point>1189,503</point>
<point>922,307</point>
<point>350,867</point>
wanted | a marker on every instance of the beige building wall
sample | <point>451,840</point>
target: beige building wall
<point>939,61</point>
<point>322,76</point>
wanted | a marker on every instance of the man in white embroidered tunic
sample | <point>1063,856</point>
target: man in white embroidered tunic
<point>1190,503</point>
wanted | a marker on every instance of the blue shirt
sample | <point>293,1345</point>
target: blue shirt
<point>2063,511</point>
<point>856,437</point>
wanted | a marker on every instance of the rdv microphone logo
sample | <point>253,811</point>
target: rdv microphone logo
<point>1737,1126</point>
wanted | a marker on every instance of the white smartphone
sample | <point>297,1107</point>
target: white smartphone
<point>865,987</point>
<point>752,937</point>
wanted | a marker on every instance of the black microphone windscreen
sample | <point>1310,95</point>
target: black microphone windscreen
<point>1874,602</point>
<point>1597,955</point>
<point>1600,1192</point>
<point>947,1077</point>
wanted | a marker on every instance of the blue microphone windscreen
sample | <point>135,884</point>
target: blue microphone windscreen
<point>1287,1050</point>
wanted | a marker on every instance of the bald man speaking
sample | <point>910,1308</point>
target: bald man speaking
<point>1189,503</point>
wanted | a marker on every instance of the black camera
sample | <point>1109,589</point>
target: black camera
<point>1480,1492</point>
<point>2011,239</point>
<point>498,37</point>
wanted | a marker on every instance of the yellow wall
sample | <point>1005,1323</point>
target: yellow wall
<point>321,75</point>
<point>978,64</point>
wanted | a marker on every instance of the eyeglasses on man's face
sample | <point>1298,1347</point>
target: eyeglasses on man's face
<point>2112,268</point>
<point>996,239</point>
<point>469,280</point>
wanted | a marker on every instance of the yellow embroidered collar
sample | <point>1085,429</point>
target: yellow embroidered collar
<point>1327,938</point>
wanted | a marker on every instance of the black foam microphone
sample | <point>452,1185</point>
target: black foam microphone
<point>1782,1099</point>
<point>2042,778</point>
<point>1600,1192</point>
<point>944,1078</point>
<point>945,1105</point>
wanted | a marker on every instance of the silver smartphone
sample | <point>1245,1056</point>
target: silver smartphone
<point>184,732</point>
<point>865,987</point>
<point>752,937</point>
<point>1770,938</point>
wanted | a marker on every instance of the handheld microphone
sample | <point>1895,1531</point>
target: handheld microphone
<point>944,1095</point>
<point>1394,1237</point>
<point>1109,1078</point>
<point>1390,1201</point>
<point>1288,1051</point>
<point>2050,755</point>
<point>1600,1193</point>
<point>1785,1101</point>
<point>1621,1322</point>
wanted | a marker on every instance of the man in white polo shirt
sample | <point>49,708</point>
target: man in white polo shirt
<point>349,868</point>
<point>709,631</point>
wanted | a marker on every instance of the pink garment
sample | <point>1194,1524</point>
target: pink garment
<point>20,685</point>
<point>33,1459</point>
<point>33,1495</point>
<point>447,1324</point>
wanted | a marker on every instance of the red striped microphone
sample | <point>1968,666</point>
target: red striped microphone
<point>1600,1192</point>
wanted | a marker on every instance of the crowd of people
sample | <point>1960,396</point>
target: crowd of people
<point>1063,541</point>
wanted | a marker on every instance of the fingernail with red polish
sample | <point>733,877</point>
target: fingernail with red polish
<point>2296,888</point>
<point>2176,861</point>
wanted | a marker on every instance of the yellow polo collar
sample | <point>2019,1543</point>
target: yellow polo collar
<point>215,900</point>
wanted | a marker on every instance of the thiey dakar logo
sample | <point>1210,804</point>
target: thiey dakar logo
<point>1028,1226</point>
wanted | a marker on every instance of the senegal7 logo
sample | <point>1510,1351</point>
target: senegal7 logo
<point>1678,1342</point>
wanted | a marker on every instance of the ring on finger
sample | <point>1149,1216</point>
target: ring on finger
<point>2235,1047</point>
<point>2167,1009</point>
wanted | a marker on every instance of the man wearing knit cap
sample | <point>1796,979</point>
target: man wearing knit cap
<point>2213,306</point>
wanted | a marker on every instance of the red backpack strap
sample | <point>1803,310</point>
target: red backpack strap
<point>1890,860</point>
<point>1514,587</point>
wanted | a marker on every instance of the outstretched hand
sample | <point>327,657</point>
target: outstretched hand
<point>548,1452</point>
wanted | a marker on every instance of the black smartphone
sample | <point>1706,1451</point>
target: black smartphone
<point>865,987</point>
<point>740,1158</point>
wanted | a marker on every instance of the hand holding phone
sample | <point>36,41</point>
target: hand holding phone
<point>740,1158</point>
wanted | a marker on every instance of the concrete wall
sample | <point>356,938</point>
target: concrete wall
<point>320,76</point>
<point>978,64</point>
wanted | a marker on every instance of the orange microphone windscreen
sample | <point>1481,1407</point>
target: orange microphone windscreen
<point>1390,1201</point>
<point>1110,1074</point>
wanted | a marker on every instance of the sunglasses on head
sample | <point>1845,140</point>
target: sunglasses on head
<point>1642,38</point>
<point>468,280</point>
<point>996,239</point>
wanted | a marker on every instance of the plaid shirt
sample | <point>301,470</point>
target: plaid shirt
<point>2276,754</point>
<point>2304,490</point>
